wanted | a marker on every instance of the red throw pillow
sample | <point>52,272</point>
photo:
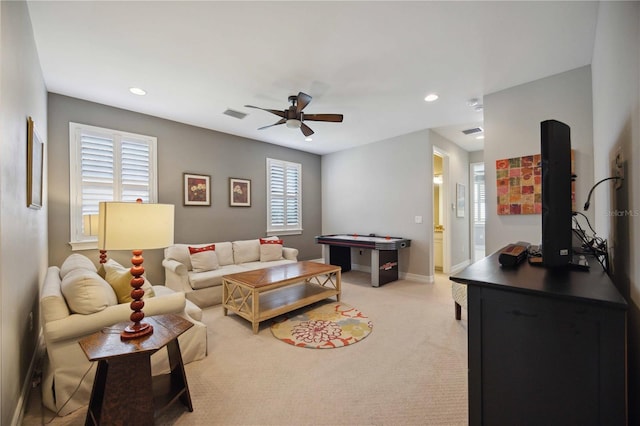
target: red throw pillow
<point>193,250</point>
<point>270,241</point>
<point>203,258</point>
<point>270,249</point>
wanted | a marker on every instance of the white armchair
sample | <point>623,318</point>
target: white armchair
<point>67,373</point>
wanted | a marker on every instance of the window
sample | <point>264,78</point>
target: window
<point>284,197</point>
<point>107,165</point>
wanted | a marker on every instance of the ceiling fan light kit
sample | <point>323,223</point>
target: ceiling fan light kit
<point>294,118</point>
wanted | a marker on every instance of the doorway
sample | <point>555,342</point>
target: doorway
<point>478,216</point>
<point>441,212</point>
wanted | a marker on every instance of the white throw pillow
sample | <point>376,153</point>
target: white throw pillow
<point>76,261</point>
<point>86,292</point>
<point>270,249</point>
<point>204,258</point>
<point>245,251</point>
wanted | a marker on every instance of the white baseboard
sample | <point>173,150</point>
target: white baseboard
<point>460,266</point>
<point>415,277</point>
<point>23,400</point>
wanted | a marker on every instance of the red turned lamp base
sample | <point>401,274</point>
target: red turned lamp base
<point>138,328</point>
<point>135,331</point>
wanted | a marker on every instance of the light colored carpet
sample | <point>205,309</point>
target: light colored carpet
<point>412,370</point>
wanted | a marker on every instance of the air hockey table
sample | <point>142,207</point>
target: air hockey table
<point>336,250</point>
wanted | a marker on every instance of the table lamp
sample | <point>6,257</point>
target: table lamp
<point>91,226</point>
<point>135,226</point>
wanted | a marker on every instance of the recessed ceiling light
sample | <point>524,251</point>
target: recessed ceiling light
<point>480,137</point>
<point>431,97</point>
<point>308,139</point>
<point>137,91</point>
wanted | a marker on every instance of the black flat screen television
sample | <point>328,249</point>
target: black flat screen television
<point>555,144</point>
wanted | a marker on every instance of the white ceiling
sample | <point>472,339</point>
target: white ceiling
<point>373,62</point>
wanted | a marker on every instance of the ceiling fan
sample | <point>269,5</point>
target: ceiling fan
<point>294,118</point>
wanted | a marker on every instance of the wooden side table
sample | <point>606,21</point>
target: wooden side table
<point>123,390</point>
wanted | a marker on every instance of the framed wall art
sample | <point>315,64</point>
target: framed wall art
<point>460,201</point>
<point>35,153</point>
<point>239,192</point>
<point>197,190</point>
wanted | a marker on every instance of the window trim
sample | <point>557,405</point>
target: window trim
<point>283,230</point>
<point>77,240</point>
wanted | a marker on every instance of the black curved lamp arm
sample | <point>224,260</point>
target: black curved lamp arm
<point>586,205</point>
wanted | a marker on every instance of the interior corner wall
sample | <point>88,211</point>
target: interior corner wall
<point>512,129</point>
<point>380,188</point>
<point>616,126</point>
<point>23,231</point>
<point>183,149</point>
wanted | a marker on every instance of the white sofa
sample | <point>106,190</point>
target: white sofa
<point>75,302</point>
<point>204,288</point>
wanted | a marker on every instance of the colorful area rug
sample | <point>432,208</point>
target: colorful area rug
<point>331,325</point>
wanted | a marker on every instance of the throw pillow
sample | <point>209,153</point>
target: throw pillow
<point>86,293</point>
<point>76,261</point>
<point>203,258</point>
<point>245,251</point>
<point>270,249</point>
<point>119,278</point>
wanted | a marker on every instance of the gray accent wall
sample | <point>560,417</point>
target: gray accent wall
<point>23,231</point>
<point>183,149</point>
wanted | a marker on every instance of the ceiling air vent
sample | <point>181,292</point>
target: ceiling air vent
<point>235,114</point>
<point>473,131</point>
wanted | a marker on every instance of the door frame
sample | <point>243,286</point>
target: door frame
<point>445,192</point>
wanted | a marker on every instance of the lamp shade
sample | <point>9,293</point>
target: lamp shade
<point>90,226</point>
<point>133,226</point>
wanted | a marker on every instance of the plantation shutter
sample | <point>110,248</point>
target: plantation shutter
<point>479,215</point>
<point>284,197</point>
<point>107,165</point>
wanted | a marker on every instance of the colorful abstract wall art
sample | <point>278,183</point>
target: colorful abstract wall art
<point>519,185</point>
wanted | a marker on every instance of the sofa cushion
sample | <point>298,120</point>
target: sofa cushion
<point>86,292</point>
<point>119,278</point>
<point>198,280</point>
<point>203,258</point>
<point>224,251</point>
<point>246,251</point>
<point>76,261</point>
<point>270,249</point>
<point>250,266</point>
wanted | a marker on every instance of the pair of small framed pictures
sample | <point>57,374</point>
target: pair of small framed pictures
<point>197,191</point>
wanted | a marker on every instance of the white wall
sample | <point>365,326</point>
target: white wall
<point>23,231</point>
<point>512,129</point>
<point>381,187</point>
<point>616,124</point>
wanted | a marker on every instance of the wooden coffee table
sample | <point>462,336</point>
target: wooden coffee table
<point>266,293</point>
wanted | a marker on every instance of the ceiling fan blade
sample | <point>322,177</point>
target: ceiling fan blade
<point>303,101</point>
<point>275,124</point>
<point>272,111</point>
<point>306,130</point>
<point>335,118</point>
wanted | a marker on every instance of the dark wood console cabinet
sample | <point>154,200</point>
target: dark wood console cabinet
<point>545,346</point>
